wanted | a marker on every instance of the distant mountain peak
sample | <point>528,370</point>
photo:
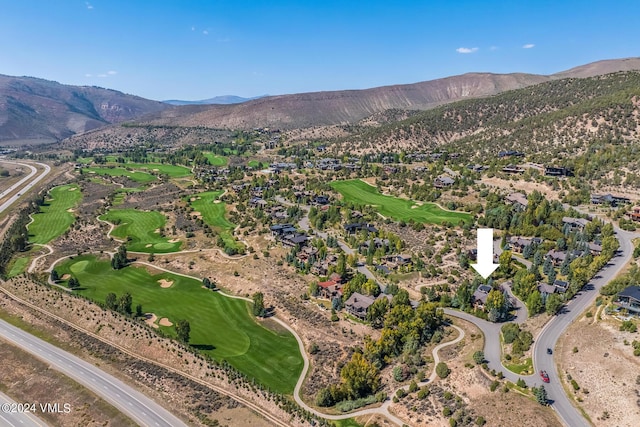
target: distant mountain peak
<point>219,100</point>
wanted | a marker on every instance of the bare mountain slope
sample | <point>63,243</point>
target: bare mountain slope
<point>32,108</point>
<point>349,106</point>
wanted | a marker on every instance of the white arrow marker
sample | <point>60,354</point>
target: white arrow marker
<point>485,265</point>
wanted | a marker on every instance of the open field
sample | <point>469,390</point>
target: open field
<point>215,160</point>
<point>359,192</point>
<point>140,228</point>
<point>18,266</point>
<point>214,214</point>
<point>137,176</point>
<point>220,326</point>
<point>54,217</point>
<point>253,164</point>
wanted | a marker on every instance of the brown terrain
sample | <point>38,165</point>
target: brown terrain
<point>599,358</point>
<point>32,109</point>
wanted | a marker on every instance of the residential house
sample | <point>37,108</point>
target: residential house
<point>598,199</point>
<point>576,224</point>
<point>473,254</point>
<point>518,244</point>
<point>546,289</point>
<point>556,171</point>
<point>479,298</point>
<point>635,214</point>
<point>629,299</point>
<point>320,200</point>
<point>556,257</point>
<point>330,289</point>
<point>518,200</point>
<point>561,286</point>
<point>443,182</point>
<point>595,249</point>
<point>512,169</point>
<point>358,304</point>
<point>357,226</point>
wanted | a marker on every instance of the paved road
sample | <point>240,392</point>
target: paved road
<point>552,331</point>
<point>9,417</point>
<point>134,404</point>
<point>25,184</point>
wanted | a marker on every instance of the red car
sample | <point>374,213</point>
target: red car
<point>545,376</point>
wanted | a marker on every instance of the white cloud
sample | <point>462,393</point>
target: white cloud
<point>205,32</point>
<point>528,46</point>
<point>89,5</point>
<point>193,28</point>
<point>102,75</point>
<point>493,48</point>
<point>467,49</point>
<point>112,73</point>
<point>87,75</point>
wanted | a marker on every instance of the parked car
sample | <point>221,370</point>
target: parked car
<point>549,351</point>
<point>544,376</point>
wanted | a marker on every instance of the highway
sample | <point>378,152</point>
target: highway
<point>132,403</point>
<point>21,184</point>
<point>10,417</point>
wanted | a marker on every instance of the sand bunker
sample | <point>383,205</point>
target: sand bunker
<point>164,283</point>
<point>150,319</point>
<point>73,189</point>
<point>65,277</point>
<point>217,201</point>
<point>157,230</point>
<point>165,322</point>
<point>148,245</point>
<point>156,170</point>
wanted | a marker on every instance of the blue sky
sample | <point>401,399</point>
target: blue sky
<point>198,49</point>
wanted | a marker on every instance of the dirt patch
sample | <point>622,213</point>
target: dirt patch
<point>150,319</point>
<point>174,240</point>
<point>165,322</point>
<point>164,283</point>
<point>596,355</point>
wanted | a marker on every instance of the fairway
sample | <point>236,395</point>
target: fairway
<point>137,176</point>
<point>361,193</point>
<point>54,217</point>
<point>214,214</point>
<point>220,326</point>
<point>173,171</point>
<point>140,228</point>
<point>216,160</point>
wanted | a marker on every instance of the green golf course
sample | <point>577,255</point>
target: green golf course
<point>140,229</point>
<point>54,217</point>
<point>173,171</point>
<point>221,327</point>
<point>216,160</point>
<point>361,193</point>
<point>214,214</point>
<point>141,177</point>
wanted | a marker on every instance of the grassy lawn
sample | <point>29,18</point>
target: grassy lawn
<point>221,327</point>
<point>215,160</point>
<point>137,176</point>
<point>173,171</point>
<point>54,218</point>
<point>255,164</point>
<point>349,422</point>
<point>214,214</point>
<point>359,192</point>
<point>140,228</point>
<point>18,266</point>
<point>524,368</point>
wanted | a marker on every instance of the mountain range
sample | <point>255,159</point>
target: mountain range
<point>32,108</point>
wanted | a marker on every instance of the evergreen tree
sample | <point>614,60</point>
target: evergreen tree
<point>258,304</point>
<point>183,330</point>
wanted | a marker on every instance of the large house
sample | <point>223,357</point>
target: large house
<point>635,214</point>
<point>598,199</point>
<point>518,200</point>
<point>443,181</point>
<point>480,296</point>
<point>556,257</point>
<point>518,244</point>
<point>357,226</point>
<point>629,299</point>
<point>358,304</point>
<point>575,223</point>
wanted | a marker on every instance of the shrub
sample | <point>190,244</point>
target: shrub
<point>446,411</point>
<point>442,370</point>
<point>478,357</point>
<point>628,326</point>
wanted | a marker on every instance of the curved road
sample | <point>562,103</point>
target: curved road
<point>20,183</point>
<point>132,403</point>
<point>548,337</point>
